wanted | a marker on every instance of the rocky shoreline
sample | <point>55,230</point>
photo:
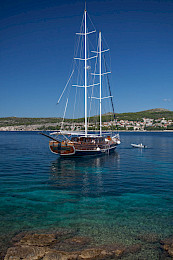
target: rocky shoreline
<point>35,128</point>
<point>25,127</point>
<point>68,245</point>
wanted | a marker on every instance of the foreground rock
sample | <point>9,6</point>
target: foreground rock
<point>61,246</point>
<point>167,246</point>
<point>25,252</point>
<point>100,253</point>
<point>4,244</point>
<point>34,253</point>
<point>38,239</point>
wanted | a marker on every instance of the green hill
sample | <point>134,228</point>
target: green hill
<point>137,116</point>
<point>13,121</point>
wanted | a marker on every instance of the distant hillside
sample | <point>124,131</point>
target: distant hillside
<point>13,121</point>
<point>137,116</point>
<point>157,110</point>
<point>152,113</point>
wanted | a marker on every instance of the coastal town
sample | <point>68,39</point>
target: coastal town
<point>145,124</point>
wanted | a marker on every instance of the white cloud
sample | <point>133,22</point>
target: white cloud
<point>167,100</point>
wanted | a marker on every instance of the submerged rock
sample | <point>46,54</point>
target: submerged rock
<point>38,239</point>
<point>25,252</point>
<point>100,254</point>
<point>19,236</point>
<point>4,244</point>
<point>149,237</point>
<point>93,253</point>
<point>54,246</point>
<point>167,245</point>
<point>34,253</point>
<point>72,244</point>
<point>61,255</point>
<point>133,249</point>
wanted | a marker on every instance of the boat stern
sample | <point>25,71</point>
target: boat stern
<point>61,148</point>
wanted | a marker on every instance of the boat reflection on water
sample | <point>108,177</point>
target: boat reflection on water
<point>84,175</point>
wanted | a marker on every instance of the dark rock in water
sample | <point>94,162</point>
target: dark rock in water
<point>168,241</point>
<point>19,236</point>
<point>149,237</point>
<point>167,245</point>
<point>133,249</point>
<point>72,244</point>
<point>5,242</point>
<point>61,233</point>
<point>78,240</point>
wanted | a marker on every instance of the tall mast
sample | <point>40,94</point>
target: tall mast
<point>100,72</point>
<point>85,59</point>
<point>85,72</point>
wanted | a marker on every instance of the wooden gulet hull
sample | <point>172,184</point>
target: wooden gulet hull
<point>78,149</point>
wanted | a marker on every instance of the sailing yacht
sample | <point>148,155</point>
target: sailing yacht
<point>84,143</point>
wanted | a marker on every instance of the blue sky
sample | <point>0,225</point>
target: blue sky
<point>37,47</point>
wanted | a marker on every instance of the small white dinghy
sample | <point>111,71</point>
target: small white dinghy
<point>139,145</point>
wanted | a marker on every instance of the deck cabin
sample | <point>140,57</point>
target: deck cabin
<point>93,140</point>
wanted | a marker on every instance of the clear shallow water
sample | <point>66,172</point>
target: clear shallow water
<point>115,197</point>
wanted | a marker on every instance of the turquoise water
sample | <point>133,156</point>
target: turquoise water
<point>116,197</point>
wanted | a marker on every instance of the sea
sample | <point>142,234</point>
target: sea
<point>124,197</point>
